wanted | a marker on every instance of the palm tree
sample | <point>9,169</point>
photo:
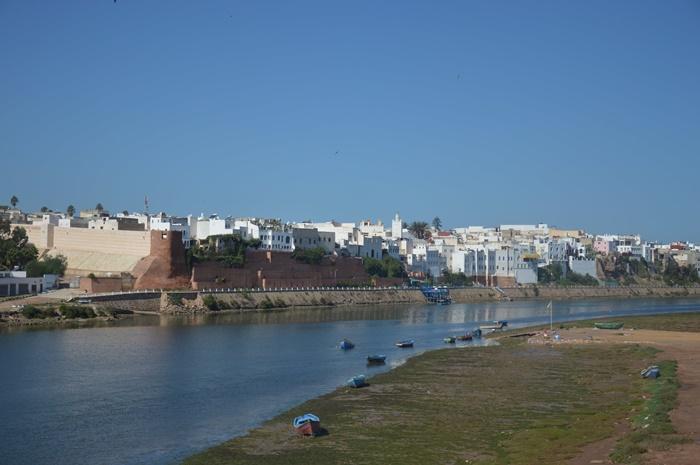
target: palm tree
<point>70,211</point>
<point>437,223</point>
<point>44,209</point>
<point>419,229</point>
<point>14,201</point>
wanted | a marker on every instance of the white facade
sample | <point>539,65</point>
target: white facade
<point>279,241</point>
<point>396,227</point>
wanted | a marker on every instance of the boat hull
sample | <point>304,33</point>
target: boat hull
<point>310,428</point>
<point>615,325</point>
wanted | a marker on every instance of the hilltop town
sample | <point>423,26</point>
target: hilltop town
<point>97,251</point>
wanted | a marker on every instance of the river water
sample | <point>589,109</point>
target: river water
<point>153,390</point>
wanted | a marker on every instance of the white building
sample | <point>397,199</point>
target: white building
<point>167,223</point>
<point>397,227</point>
<point>279,241</point>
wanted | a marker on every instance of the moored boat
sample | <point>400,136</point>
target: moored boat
<point>376,359</point>
<point>464,337</point>
<point>450,340</point>
<point>476,333</point>
<point>307,424</point>
<point>405,344</point>
<point>346,344</point>
<point>357,381</point>
<point>609,325</point>
<point>500,324</point>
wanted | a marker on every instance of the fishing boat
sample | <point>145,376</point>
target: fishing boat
<point>307,424</point>
<point>376,359</point>
<point>652,372</point>
<point>405,344</point>
<point>450,340</point>
<point>500,324</point>
<point>476,333</point>
<point>346,344</point>
<point>357,381</point>
<point>464,337</point>
<point>610,325</point>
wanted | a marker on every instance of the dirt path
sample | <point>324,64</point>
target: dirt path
<point>682,347</point>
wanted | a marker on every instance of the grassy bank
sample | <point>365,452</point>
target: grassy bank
<point>514,403</point>
<point>686,322</point>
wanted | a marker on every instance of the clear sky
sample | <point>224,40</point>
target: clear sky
<point>578,114</point>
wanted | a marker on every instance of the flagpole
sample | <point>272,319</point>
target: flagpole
<point>551,311</point>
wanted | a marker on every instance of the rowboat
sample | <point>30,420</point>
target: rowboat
<point>450,340</point>
<point>376,359</point>
<point>651,372</point>
<point>307,424</point>
<point>464,337</point>
<point>405,344</point>
<point>611,325</point>
<point>500,324</point>
<point>346,344</point>
<point>357,381</point>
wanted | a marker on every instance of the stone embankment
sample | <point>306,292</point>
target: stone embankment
<point>198,301</point>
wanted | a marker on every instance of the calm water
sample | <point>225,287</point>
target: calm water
<point>155,390</point>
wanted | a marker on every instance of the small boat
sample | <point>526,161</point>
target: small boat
<point>357,381</point>
<point>405,344</point>
<point>449,340</point>
<point>464,337</point>
<point>476,334</point>
<point>651,372</point>
<point>376,359</point>
<point>500,324</point>
<point>346,344</point>
<point>307,424</point>
<point>610,325</point>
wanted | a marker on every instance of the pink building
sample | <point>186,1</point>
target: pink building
<point>602,246</point>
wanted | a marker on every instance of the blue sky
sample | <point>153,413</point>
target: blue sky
<point>579,114</point>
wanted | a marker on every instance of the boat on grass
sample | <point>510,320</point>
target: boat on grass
<point>651,372</point>
<point>449,340</point>
<point>405,344</point>
<point>465,337</point>
<point>357,381</point>
<point>609,325</point>
<point>346,344</point>
<point>476,334</point>
<point>376,359</point>
<point>307,424</point>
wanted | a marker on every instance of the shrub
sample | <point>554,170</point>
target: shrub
<point>266,304</point>
<point>312,256</point>
<point>210,302</point>
<point>32,312</point>
<point>76,311</point>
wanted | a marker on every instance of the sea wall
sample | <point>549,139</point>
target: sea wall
<point>192,301</point>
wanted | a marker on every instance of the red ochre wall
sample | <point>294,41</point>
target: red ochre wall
<point>266,269</point>
<point>165,267</point>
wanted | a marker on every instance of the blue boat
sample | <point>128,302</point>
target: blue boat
<point>357,381</point>
<point>376,359</point>
<point>651,372</point>
<point>346,344</point>
<point>405,344</point>
<point>476,333</point>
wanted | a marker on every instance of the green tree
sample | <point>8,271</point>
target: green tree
<point>387,267</point>
<point>15,249</point>
<point>14,201</point>
<point>437,223</point>
<point>44,209</point>
<point>99,207</point>
<point>70,210</point>
<point>47,265</point>
<point>419,229</point>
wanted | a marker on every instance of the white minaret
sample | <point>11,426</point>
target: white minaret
<point>396,227</point>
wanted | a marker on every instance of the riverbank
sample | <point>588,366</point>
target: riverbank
<point>253,300</point>
<point>521,402</point>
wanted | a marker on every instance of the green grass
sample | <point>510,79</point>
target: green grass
<point>652,427</point>
<point>687,322</point>
<point>514,404</point>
